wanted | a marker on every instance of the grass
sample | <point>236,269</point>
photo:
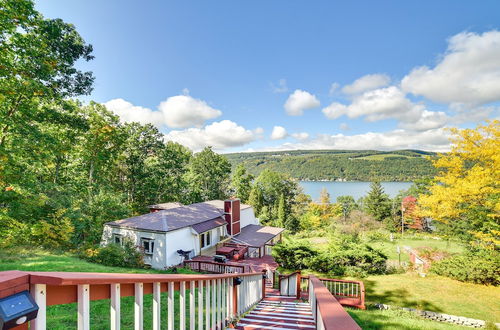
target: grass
<point>433,293</point>
<point>381,156</point>
<point>389,248</point>
<point>374,319</point>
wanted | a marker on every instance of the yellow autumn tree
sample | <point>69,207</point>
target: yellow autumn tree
<point>466,190</point>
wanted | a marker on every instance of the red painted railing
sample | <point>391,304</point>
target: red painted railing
<point>327,311</point>
<point>348,293</point>
<point>215,267</point>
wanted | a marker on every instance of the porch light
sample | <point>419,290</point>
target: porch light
<point>17,309</point>
<point>237,281</point>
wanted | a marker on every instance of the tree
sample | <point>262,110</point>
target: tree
<point>348,205</point>
<point>324,196</point>
<point>377,203</point>
<point>282,215</point>
<point>37,66</point>
<point>269,187</point>
<point>242,183</point>
<point>466,192</point>
<point>208,176</point>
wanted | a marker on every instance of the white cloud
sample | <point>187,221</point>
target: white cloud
<point>333,88</point>
<point>301,136</point>
<point>130,113</point>
<point>432,140</point>
<point>184,111</point>
<point>469,71</point>
<point>278,133</point>
<point>299,101</point>
<point>219,135</point>
<point>281,87</point>
<point>387,103</point>
<point>367,83</point>
<point>177,111</point>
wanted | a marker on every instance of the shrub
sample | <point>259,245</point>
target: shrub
<point>478,267</point>
<point>294,255</point>
<point>116,255</point>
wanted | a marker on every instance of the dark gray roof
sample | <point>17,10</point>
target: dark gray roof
<point>256,235</point>
<point>210,224</point>
<point>171,219</point>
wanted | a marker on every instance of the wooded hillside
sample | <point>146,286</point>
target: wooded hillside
<point>366,165</point>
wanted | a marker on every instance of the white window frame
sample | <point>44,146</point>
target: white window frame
<point>151,242</point>
<point>206,239</point>
<point>119,237</point>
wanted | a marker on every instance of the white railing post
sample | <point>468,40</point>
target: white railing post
<point>219,303</point>
<point>170,305</point>
<point>115,306</point>
<point>156,306</point>
<point>182,306</point>
<point>207,307</point>
<point>192,319</point>
<point>200,305</point>
<point>138,306</point>
<point>83,307</point>
<point>39,294</point>
<point>214,303</point>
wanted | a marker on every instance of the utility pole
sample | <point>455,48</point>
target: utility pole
<point>402,217</point>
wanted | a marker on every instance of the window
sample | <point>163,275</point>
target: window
<point>118,239</point>
<point>205,239</point>
<point>148,245</point>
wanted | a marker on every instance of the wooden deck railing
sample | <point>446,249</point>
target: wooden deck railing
<point>328,313</point>
<point>204,301</point>
<point>215,267</point>
<point>348,293</point>
<point>289,284</point>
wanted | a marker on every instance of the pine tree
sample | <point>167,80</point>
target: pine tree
<point>377,202</point>
<point>282,216</point>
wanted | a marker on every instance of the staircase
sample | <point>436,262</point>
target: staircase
<point>278,312</point>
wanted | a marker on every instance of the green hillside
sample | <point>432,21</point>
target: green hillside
<point>350,165</point>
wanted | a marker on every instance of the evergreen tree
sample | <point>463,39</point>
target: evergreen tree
<point>377,203</point>
<point>282,215</point>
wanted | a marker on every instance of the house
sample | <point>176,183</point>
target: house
<point>194,229</point>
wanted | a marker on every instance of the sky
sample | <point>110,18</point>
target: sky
<point>289,74</point>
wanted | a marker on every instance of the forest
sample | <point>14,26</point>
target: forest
<point>348,165</point>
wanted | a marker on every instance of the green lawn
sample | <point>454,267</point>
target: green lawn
<point>390,248</point>
<point>374,319</point>
<point>433,293</point>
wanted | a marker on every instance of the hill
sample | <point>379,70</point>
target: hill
<point>349,165</point>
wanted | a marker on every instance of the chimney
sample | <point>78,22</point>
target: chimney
<point>232,215</point>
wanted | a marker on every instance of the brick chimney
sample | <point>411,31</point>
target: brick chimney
<point>232,215</point>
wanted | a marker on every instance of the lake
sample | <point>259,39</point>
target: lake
<point>355,189</point>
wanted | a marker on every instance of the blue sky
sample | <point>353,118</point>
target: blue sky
<point>273,75</point>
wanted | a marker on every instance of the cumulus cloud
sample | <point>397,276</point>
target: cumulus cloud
<point>386,103</point>
<point>177,112</point>
<point>469,71</point>
<point>431,140</point>
<point>281,87</point>
<point>219,135</point>
<point>344,127</point>
<point>131,113</point>
<point>367,83</point>
<point>279,133</point>
<point>299,101</point>
<point>184,111</point>
<point>301,136</point>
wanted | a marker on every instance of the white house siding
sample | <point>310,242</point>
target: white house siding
<point>180,239</point>
<point>247,217</point>
<point>157,259</point>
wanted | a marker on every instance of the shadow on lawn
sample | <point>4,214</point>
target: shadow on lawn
<point>397,297</point>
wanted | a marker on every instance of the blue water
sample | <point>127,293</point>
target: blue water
<point>353,188</point>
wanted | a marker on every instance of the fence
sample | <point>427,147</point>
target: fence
<point>192,301</point>
<point>215,267</point>
<point>289,285</point>
<point>348,293</point>
<point>328,313</point>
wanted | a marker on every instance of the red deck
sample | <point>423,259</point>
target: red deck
<point>256,264</point>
